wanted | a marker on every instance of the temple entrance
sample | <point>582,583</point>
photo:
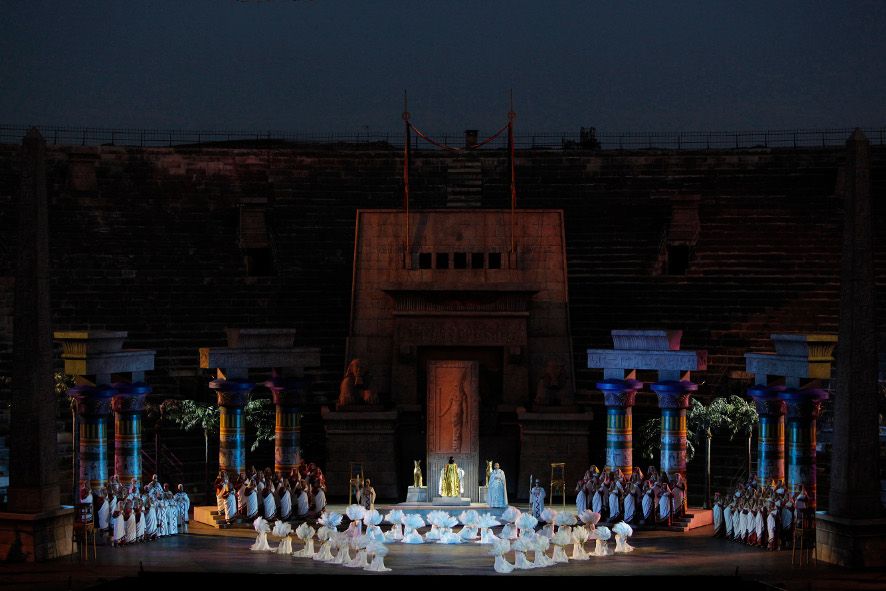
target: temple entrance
<point>453,415</point>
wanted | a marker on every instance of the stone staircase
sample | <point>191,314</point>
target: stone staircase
<point>694,517</point>
<point>464,187</point>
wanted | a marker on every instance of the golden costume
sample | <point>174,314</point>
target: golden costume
<point>450,486</point>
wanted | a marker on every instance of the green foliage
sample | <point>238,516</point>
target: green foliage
<point>650,440</point>
<point>189,415</point>
<point>262,415</point>
<point>739,416</point>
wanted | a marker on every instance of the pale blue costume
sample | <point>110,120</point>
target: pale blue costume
<point>497,495</point>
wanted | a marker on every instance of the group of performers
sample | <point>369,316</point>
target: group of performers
<point>297,495</point>
<point>128,514</point>
<point>762,516</point>
<point>650,499</point>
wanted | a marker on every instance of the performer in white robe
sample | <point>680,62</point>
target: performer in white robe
<point>771,535</point>
<point>614,508</point>
<point>630,503</point>
<point>319,500</point>
<point>537,499</point>
<point>129,525</point>
<point>717,511</point>
<point>597,500</point>
<point>230,505</point>
<point>162,523</point>
<point>665,508</point>
<point>497,493</point>
<point>285,504</point>
<point>302,506</point>
<point>103,514</point>
<point>727,521</point>
<point>251,496</point>
<point>269,504</point>
<point>140,525</point>
<point>581,496</point>
<point>184,508</point>
<point>171,515</point>
<point>648,506</point>
<point>759,526</point>
<point>118,536</point>
<point>679,491</point>
<point>150,520</point>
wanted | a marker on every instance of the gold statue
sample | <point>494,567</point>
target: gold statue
<point>488,471</point>
<point>450,481</point>
<point>416,474</point>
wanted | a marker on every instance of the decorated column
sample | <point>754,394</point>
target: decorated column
<point>287,429</point>
<point>803,409</point>
<point>232,398</point>
<point>128,404</point>
<point>619,397</point>
<point>770,433</point>
<point>93,407</point>
<point>673,400</point>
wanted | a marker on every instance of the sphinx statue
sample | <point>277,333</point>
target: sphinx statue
<point>354,388</point>
<point>552,389</point>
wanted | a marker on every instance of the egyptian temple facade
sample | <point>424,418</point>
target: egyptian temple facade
<point>475,344</point>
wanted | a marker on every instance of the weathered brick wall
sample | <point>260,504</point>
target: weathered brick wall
<point>146,240</point>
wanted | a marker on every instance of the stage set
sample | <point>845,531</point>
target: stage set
<point>459,354</point>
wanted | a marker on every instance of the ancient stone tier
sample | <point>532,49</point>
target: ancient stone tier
<point>100,353</point>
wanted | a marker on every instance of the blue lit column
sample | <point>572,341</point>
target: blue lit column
<point>619,396</point>
<point>93,408</point>
<point>232,398</point>
<point>770,433</point>
<point>803,409</point>
<point>673,400</point>
<point>128,404</point>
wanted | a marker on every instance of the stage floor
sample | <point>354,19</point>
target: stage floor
<point>207,551</point>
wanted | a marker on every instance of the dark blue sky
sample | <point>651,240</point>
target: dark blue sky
<point>336,65</point>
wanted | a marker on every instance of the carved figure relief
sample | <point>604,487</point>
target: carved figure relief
<point>552,387</point>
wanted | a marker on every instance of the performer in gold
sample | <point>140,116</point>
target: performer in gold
<point>450,481</point>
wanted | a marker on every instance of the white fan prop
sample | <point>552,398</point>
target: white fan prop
<point>261,541</point>
<point>499,549</point>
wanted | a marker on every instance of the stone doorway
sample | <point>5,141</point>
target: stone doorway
<point>467,381</point>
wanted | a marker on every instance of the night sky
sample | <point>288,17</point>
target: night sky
<point>341,66</point>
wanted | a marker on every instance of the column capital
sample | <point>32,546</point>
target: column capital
<point>130,397</point>
<point>767,400</point>
<point>92,400</point>
<point>619,393</point>
<point>673,393</point>
<point>232,393</point>
<point>288,392</point>
<point>803,404</point>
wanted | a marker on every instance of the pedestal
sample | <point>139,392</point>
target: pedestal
<point>35,537</point>
<point>417,494</point>
<point>548,437</point>
<point>451,501</point>
<point>365,437</point>
<point>484,494</point>
<point>854,543</point>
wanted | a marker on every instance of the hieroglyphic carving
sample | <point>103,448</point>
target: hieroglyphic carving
<point>453,419</point>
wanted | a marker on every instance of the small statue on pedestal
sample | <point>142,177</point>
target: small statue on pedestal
<point>488,471</point>
<point>416,474</point>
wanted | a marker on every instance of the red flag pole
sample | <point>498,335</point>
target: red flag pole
<point>407,262</point>
<point>511,116</point>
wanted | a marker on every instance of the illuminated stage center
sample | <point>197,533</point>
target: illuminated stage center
<point>464,351</point>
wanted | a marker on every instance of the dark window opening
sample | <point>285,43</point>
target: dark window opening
<point>424,260</point>
<point>259,262</point>
<point>442,260</point>
<point>495,260</point>
<point>678,258</point>
<point>477,260</point>
<point>460,260</point>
